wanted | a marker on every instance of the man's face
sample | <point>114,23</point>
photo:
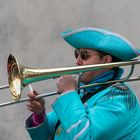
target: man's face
<point>89,57</point>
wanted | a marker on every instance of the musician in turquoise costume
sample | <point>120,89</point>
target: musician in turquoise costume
<point>101,112</point>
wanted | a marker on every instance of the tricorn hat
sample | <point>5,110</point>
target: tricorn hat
<point>101,40</point>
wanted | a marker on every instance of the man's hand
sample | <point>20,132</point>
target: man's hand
<point>35,105</point>
<point>66,83</point>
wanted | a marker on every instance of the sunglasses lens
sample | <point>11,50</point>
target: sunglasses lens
<point>82,53</point>
<point>76,53</point>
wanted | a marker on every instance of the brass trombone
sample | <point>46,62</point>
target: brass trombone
<point>20,76</point>
<point>4,87</point>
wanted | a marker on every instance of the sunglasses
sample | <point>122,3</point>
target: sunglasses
<point>82,53</point>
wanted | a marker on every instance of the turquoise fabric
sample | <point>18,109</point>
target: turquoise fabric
<point>112,114</point>
<point>102,40</point>
<point>42,132</point>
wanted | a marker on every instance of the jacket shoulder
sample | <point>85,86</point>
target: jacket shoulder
<point>125,94</point>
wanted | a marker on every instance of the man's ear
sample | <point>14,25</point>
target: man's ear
<point>107,58</point>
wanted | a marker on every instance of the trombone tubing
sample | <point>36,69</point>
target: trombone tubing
<point>43,74</point>
<point>56,93</point>
<point>4,87</point>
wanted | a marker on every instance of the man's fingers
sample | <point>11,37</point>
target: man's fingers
<point>33,94</point>
<point>35,105</point>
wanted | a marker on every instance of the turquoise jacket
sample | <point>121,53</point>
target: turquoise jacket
<point>111,114</point>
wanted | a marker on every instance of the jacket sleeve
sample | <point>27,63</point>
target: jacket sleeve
<point>45,130</point>
<point>95,122</point>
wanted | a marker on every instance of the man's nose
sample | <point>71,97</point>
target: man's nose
<point>79,61</point>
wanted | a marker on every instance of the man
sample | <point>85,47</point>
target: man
<point>103,112</point>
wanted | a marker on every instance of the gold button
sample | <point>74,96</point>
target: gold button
<point>58,131</point>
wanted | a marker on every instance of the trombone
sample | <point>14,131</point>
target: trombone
<point>20,76</point>
<point>4,87</point>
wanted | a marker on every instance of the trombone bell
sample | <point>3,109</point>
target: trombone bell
<point>14,77</point>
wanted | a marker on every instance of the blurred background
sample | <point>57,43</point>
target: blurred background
<point>30,29</point>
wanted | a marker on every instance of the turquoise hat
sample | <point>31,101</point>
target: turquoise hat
<point>101,40</point>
